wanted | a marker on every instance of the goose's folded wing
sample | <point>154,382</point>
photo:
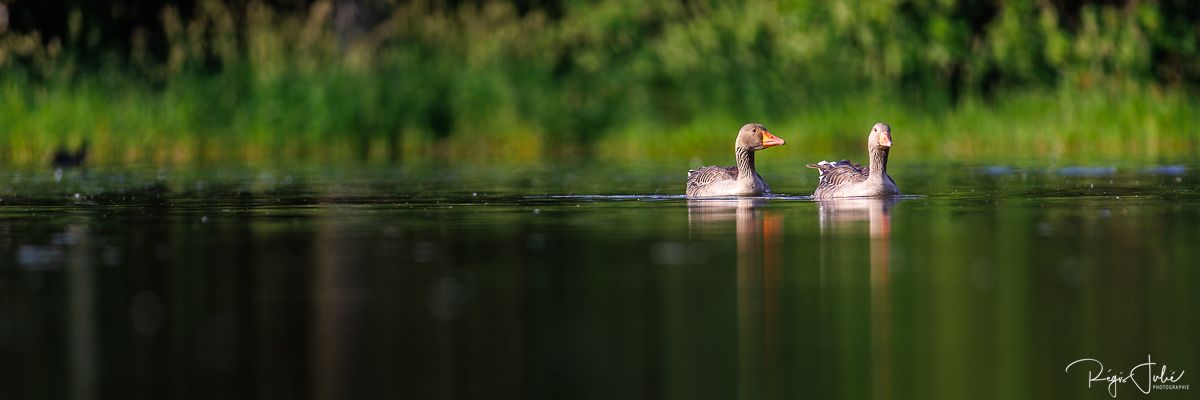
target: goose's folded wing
<point>834,174</point>
<point>705,175</point>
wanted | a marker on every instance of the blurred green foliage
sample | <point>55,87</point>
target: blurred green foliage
<point>523,80</point>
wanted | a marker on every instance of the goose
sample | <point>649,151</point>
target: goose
<point>66,159</point>
<point>846,179</point>
<point>741,180</point>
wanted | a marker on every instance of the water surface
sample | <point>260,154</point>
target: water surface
<point>591,282</point>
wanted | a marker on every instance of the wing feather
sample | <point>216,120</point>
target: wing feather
<point>703,176</point>
<point>838,174</point>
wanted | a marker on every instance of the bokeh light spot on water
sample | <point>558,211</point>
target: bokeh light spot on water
<point>1045,229</point>
<point>1172,170</point>
<point>1087,171</point>
<point>669,253</point>
<point>536,241</point>
<point>678,253</point>
<point>423,252</point>
<point>39,257</point>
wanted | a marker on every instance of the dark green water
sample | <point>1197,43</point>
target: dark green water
<point>582,282</point>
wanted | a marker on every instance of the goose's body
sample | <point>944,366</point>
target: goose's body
<point>740,180</point>
<point>723,181</point>
<point>66,159</point>
<point>847,179</point>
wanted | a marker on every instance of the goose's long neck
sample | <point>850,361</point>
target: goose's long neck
<point>878,165</point>
<point>745,162</point>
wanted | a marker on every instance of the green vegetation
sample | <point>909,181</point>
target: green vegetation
<point>614,80</point>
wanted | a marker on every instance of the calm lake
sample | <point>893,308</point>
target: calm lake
<point>439,282</point>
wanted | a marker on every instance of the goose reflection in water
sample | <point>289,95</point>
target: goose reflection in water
<point>759,237</point>
<point>845,218</point>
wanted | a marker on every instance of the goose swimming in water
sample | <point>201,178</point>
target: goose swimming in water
<point>65,159</point>
<point>846,179</point>
<point>740,180</point>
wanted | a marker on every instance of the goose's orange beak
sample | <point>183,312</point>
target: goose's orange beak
<point>769,140</point>
<point>885,139</point>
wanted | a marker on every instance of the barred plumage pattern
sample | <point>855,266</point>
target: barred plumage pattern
<point>700,177</point>
<point>839,173</point>
<point>838,177</point>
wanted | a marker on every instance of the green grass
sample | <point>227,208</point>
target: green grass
<point>1136,124</point>
<point>616,80</point>
<point>328,119</point>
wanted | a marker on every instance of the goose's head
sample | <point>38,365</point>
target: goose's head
<point>755,137</point>
<point>881,137</point>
